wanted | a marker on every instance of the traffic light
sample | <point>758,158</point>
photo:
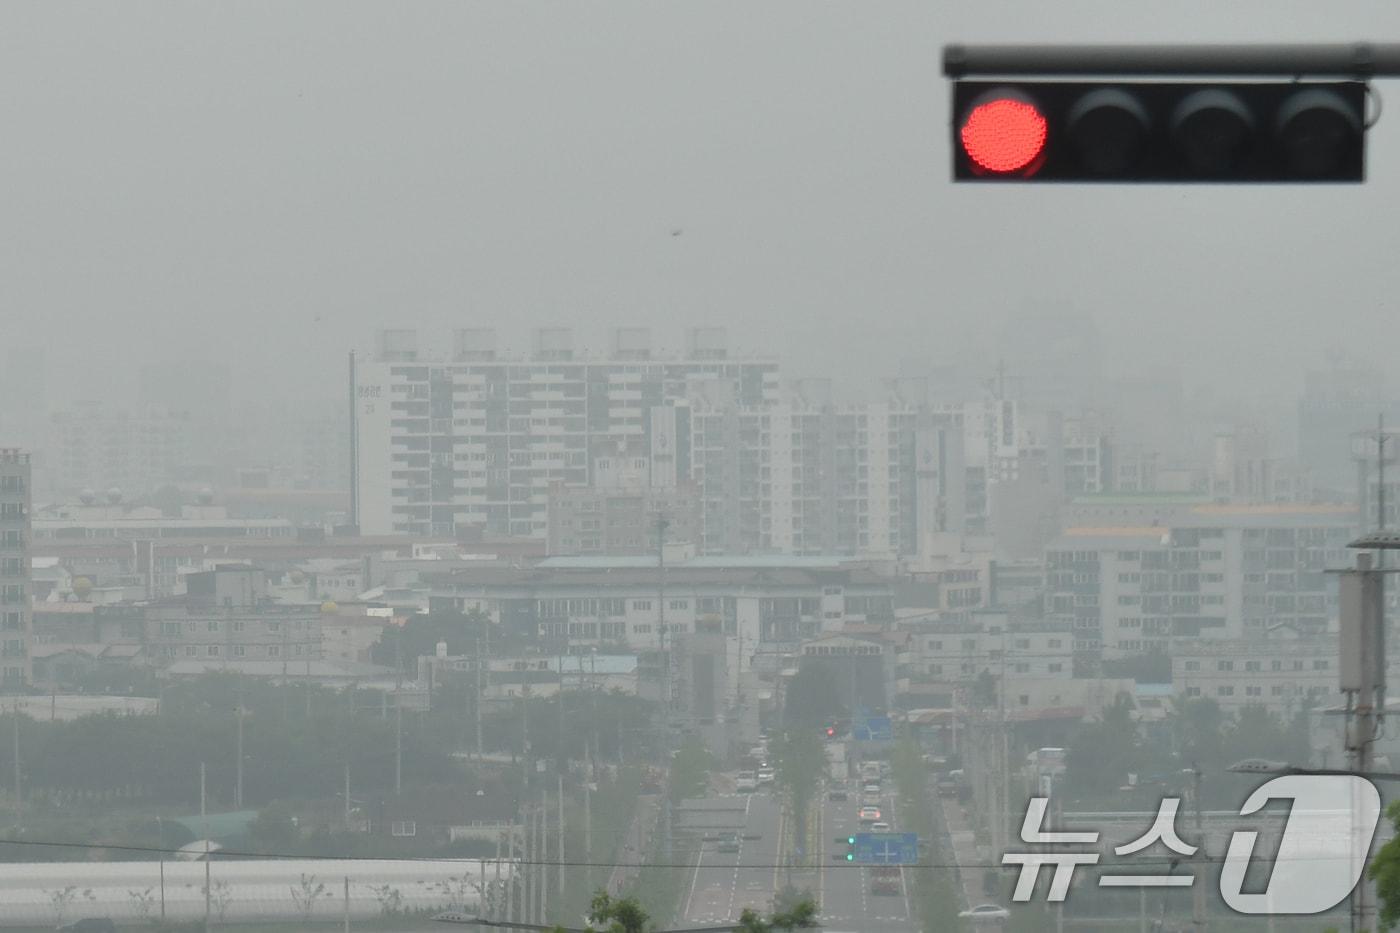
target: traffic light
<point>850,848</point>
<point>830,732</point>
<point>1067,131</point>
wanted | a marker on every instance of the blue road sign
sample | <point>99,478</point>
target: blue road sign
<point>887,848</point>
<point>873,729</point>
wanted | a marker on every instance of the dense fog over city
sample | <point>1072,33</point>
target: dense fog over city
<point>639,466</point>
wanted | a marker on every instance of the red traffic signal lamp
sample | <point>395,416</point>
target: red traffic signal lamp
<point>1068,131</point>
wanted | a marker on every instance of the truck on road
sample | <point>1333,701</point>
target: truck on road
<point>838,766</point>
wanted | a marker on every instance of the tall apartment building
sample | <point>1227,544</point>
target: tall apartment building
<point>470,437</point>
<point>16,608</point>
<point>807,477</point>
<point>138,452</point>
<point>1217,572</point>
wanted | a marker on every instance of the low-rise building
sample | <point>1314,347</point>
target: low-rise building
<point>226,615</point>
<point>1283,673</point>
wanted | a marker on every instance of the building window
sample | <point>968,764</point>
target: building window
<point>641,605</point>
<point>1225,665</point>
<point>403,828</point>
<point>1193,691</point>
<point>1226,691</point>
<point>1192,665</point>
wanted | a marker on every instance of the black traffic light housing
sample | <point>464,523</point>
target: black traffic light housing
<point>1156,131</point>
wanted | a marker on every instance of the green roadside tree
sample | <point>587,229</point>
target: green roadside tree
<point>799,761</point>
<point>1385,872</point>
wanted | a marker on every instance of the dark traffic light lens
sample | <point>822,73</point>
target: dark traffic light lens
<point>1319,133</point>
<point>1213,129</point>
<point>1004,134</point>
<point>1107,128</point>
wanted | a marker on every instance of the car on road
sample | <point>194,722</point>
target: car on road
<point>837,792</point>
<point>868,814</point>
<point>880,826</point>
<point>871,787</point>
<point>746,782</point>
<point>986,912</point>
<point>871,800</point>
<point>766,776</point>
<point>729,842</point>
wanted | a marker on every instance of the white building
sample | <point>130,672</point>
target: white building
<point>135,452</point>
<point>1283,672</point>
<point>470,438</point>
<point>1218,572</point>
<point>805,476</point>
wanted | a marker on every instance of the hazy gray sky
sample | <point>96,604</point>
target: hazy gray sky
<point>272,180</point>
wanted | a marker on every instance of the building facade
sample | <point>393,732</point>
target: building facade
<point>621,519</point>
<point>1217,573</point>
<point>133,452</point>
<point>1283,673</point>
<point>16,600</point>
<point>476,439</point>
<point>226,616</point>
<point>807,477</point>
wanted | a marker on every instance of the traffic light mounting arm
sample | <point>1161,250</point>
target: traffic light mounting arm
<point>1358,61</point>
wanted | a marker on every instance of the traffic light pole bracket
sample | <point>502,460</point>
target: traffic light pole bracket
<point>1357,61</point>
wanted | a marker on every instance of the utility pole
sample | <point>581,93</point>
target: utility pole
<point>480,671</point>
<point>587,837</point>
<point>347,796</point>
<point>544,854</point>
<point>528,869</point>
<point>398,712</point>
<point>513,881</point>
<point>559,849</point>
<point>1198,890</point>
<point>238,770</point>
<point>19,779</point>
<point>204,824</point>
<point>661,525</point>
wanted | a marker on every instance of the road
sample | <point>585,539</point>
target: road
<point>844,889</point>
<point>724,883</point>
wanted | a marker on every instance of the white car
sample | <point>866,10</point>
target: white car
<point>986,912</point>
<point>746,782</point>
<point>879,826</point>
<point>868,814</point>
<point>766,776</point>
